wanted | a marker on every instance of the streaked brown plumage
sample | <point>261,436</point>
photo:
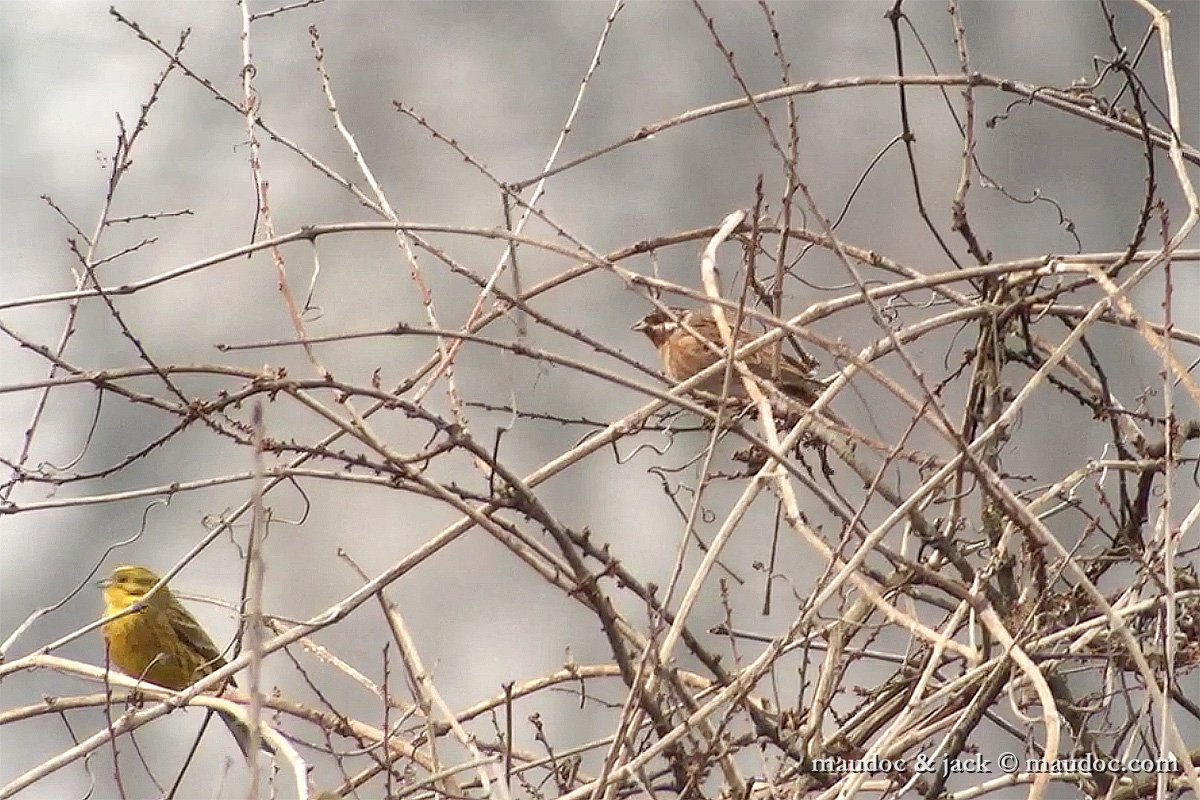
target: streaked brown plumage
<point>683,355</point>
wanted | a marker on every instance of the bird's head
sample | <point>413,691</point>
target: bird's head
<point>658,325</point>
<point>128,585</point>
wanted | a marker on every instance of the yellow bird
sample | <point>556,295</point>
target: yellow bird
<point>161,643</point>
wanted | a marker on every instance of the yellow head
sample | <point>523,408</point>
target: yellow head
<point>128,585</point>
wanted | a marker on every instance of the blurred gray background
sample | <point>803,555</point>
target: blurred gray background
<point>499,78</point>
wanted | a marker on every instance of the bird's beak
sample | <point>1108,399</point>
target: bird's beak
<point>104,584</point>
<point>640,325</point>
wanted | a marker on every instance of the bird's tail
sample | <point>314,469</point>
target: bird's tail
<point>241,734</point>
<point>804,388</point>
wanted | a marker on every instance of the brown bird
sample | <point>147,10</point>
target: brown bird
<point>683,355</point>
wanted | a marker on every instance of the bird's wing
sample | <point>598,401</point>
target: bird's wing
<point>195,639</point>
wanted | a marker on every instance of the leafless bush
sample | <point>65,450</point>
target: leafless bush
<point>979,542</point>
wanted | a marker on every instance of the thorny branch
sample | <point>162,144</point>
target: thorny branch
<point>961,597</point>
